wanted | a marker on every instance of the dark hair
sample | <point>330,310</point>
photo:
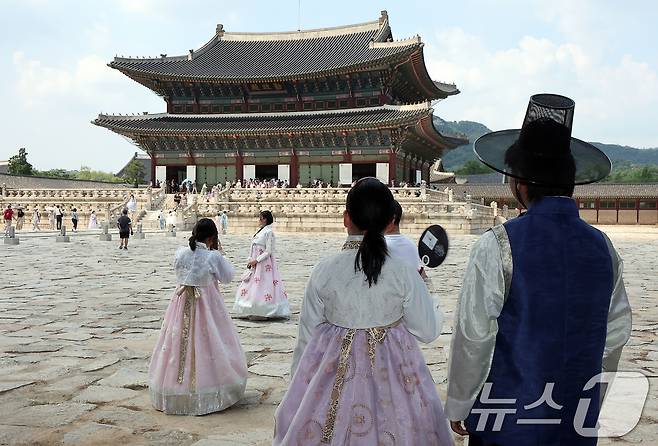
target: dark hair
<point>397,212</point>
<point>370,206</point>
<point>555,175</point>
<point>125,211</point>
<point>269,218</point>
<point>203,230</point>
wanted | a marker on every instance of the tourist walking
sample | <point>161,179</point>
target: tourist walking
<point>224,222</point>
<point>93,222</point>
<point>198,365</point>
<point>59,214</point>
<point>398,245</point>
<point>125,229</point>
<point>358,375</point>
<point>543,309</point>
<point>171,221</point>
<point>132,205</point>
<point>262,294</point>
<point>52,219</point>
<point>20,218</point>
<point>9,217</point>
<point>74,219</point>
<point>36,219</point>
<point>162,221</point>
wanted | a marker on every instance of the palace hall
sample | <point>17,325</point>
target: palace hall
<point>332,104</point>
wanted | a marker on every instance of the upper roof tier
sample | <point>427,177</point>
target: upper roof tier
<point>242,57</point>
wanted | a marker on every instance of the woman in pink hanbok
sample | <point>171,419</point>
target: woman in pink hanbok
<point>198,365</point>
<point>358,375</point>
<point>261,293</point>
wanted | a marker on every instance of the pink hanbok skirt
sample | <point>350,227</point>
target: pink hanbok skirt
<point>264,294</point>
<point>198,365</point>
<point>362,387</point>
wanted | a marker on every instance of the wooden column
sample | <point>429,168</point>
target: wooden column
<point>294,169</point>
<point>153,164</point>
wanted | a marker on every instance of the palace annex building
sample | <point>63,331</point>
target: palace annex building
<point>333,104</point>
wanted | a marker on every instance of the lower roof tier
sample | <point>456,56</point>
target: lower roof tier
<point>411,122</point>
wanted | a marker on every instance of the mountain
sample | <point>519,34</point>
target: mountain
<point>621,156</point>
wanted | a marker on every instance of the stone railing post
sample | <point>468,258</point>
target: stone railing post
<point>494,207</point>
<point>107,214</point>
<point>423,190</point>
<point>4,189</point>
<point>450,195</point>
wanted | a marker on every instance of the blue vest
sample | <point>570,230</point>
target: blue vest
<point>552,327</point>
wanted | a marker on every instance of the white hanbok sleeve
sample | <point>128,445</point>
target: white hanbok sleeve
<point>619,315</point>
<point>221,268</point>
<point>269,247</point>
<point>475,328</point>
<point>422,316</point>
<point>311,316</point>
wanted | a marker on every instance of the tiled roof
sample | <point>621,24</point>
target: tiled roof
<point>280,56</point>
<point>264,123</point>
<point>587,191</point>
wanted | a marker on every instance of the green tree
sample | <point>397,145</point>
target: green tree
<point>472,167</point>
<point>53,173</point>
<point>85,173</point>
<point>134,172</point>
<point>18,164</point>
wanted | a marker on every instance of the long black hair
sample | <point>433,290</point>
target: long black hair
<point>203,230</point>
<point>370,206</point>
<point>269,218</point>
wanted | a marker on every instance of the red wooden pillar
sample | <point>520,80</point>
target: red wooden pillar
<point>239,166</point>
<point>153,163</point>
<point>294,169</point>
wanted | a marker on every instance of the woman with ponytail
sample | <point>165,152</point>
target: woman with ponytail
<point>262,294</point>
<point>198,365</point>
<point>358,375</point>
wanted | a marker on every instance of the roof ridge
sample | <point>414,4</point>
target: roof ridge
<point>301,34</point>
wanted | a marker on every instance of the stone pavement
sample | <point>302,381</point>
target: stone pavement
<point>78,321</point>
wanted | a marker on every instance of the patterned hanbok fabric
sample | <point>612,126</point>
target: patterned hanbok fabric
<point>262,293</point>
<point>358,375</point>
<point>198,365</point>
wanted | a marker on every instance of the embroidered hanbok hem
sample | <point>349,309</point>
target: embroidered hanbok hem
<point>264,294</point>
<point>362,387</point>
<point>198,365</point>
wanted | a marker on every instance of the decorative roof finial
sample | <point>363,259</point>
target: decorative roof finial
<point>219,30</point>
<point>383,17</point>
<point>191,55</point>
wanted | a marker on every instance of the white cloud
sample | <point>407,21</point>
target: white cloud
<point>88,79</point>
<point>612,97</point>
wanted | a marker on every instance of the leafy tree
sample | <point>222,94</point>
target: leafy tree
<point>54,173</point>
<point>472,167</point>
<point>134,172</point>
<point>18,164</point>
<point>85,173</point>
<point>633,174</point>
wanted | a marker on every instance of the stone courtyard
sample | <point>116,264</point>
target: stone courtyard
<point>78,321</point>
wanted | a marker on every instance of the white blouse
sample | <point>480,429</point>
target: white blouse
<point>265,237</point>
<point>338,294</point>
<point>202,266</point>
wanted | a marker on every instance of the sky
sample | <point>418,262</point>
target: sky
<point>54,78</point>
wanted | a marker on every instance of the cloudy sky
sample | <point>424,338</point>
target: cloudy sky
<point>54,79</point>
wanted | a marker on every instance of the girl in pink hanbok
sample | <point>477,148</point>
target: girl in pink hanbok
<point>358,375</point>
<point>198,365</point>
<point>261,293</point>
